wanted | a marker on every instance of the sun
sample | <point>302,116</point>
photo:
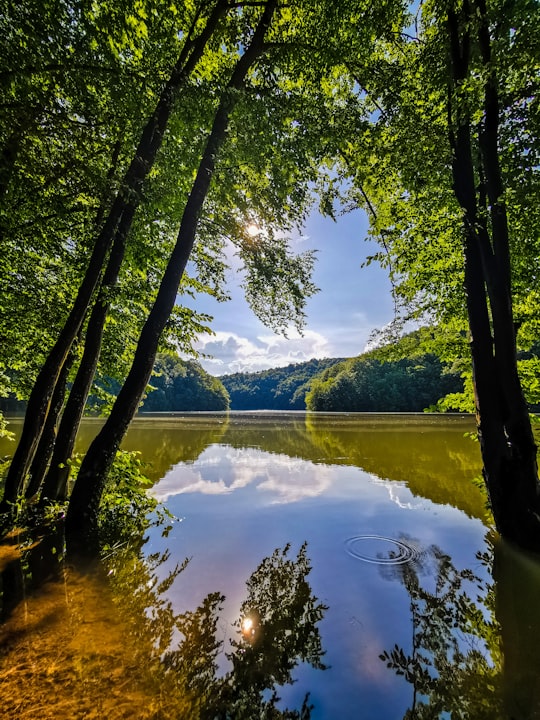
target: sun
<point>253,230</point>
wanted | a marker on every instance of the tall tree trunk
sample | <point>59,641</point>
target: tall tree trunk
<point>127,200</point>
<point>41,460</point>
<point>84,503</point>
<point>56,480</point>
<point>506,439</point>
<point>47,443</point>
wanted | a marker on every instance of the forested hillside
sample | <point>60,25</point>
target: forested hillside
<point>183,385</point>
<point>281,388</point>
<point>176,385</point>
<point>370,384</point>
<point>401,377</point>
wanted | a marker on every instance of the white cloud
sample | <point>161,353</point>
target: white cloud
<point>233,353</point>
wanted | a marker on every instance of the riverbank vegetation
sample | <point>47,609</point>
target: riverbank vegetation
<point>142,142</point>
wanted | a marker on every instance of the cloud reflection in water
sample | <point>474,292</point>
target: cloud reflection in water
<point>221,470</point>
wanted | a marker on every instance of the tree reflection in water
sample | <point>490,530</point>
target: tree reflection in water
<point>276,630</point>
<point>475,644</point>
<point>454,661</point>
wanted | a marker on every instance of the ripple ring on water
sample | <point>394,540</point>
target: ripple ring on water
<point>397,554</point>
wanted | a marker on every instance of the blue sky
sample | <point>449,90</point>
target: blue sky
<point>352,301</point>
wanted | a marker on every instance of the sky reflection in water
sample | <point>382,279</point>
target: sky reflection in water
<point>237,504</point>
<point>422,611</point>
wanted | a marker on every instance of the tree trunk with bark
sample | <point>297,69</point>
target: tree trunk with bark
<point>56,480</point>
<point>81,521</point>
<point>44,452</point>
<point>127,200</point>
<point>506,439</point>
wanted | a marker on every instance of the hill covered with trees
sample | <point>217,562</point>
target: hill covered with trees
<point>183,385</point>
<point>372,384</point>
<point>282,388</point>
<point>401,377</point>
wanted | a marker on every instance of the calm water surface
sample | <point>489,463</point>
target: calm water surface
<point>362,537</point>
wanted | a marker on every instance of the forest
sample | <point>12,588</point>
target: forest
<point>275,389</point>
<point>141,139</point>
<point>371,382</point>
<point>394,378</point>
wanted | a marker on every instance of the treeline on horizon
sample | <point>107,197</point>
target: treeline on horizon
<point>401,376</point>
<point>392,378</point>
<point>379,380</point>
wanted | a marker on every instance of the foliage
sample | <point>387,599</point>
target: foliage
<point>399,164</point>
<point>370,385</point>
<point>332,108</point>
<point>276,389</point>
<point>183,385</point>
<point>76,82</point>
<point>377,382</point>
<point>126,505</point>
<point>4,432</point>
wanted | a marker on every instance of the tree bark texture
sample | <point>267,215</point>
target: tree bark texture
<point>505,433</point>
<point>84,503</point>
<point>56,480</point>
<point>45,448</point>
<point>127,200</point>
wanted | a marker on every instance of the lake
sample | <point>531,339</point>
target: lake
<point>344,564</point>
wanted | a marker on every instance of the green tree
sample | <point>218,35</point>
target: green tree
<point>111,234</point>
<point>451,211</point>
<point>183,385</point>
<point>276,281</point>
<point>276,389</point>
<point>86,495</point>
<point>383,381</point>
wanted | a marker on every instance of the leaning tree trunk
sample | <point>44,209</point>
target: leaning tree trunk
<point>127,200</point>
<point>49,436</point>
<point>81,521</point>
<point>46,444</point>
<point>56,480</point>
<point>506,438</point>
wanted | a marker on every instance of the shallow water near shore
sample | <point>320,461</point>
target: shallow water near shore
<point>351,554</point>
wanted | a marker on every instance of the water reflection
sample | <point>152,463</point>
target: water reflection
<point>471,653</point>
<point>284,632</point>
<point>222,470</point>
<point>167,441</point>
<point>516,600</point>
<point>378,499</point>
<point>429,453</point>
<point>156,661</point>
<point>282,629</point>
